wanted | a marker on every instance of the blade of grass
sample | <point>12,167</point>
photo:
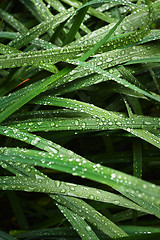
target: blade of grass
<point>18,211</point>
<point>13,21</point>
<point>142,237</point>
<point>41,29</point>
<point>136,189</point>
<point>78,223</point>
<point>84,123</point>
<point>6,236</point>
<point>91,214</point>
<point>64,188</point>
<point>123,2</point>
<point>115,78</point>
<point>67,232</point>
<point>94,12</point>
<point>75,26</point>
<point>43,86</point>
<point>96,218</point>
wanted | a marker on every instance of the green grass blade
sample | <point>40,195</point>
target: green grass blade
<point>147,60</point>
<point>94,12</point>
<point>38,9</point>
<point>26,98</point>
<point>84,123</point>
<point>76,151</point>
<point>38,142</point>
<point>56,55</point>
<point>123,2</point>
<point>75,26</point>
<point>13,21</point>
<point>97,112</point>
<point>6,236</point>
<point>40,29</point>
<point>82,228</point>
<point>18,211</point>
<point>137,150</point>
<point>4,49</point>
<point>91,215</point>
<point>44,86</point>
<point>151,36</point>
<point>142,237</point>
<point>63,188</point>
<point>141,229</point>
<point>100,43</point>
<point>56,4</point>
<point>104,115</point>
<point>94,217</point>
<point>41,43</point>
<point>138,190</point>
<point>115,78</point>
<point>65,232</point>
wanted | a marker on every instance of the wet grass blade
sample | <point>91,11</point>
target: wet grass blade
<point>123,2</point>
<point>75,26</point>
<point>137,190</point>
<point>111,117</point>
<point>91,214</point>
<point>95,218</point>
<point>81,153</point>
<point>13,21</point>
<point>66,189</point>
<point>93,12</point>
<point>115,78</point>
<point>38,8</point>
<point>6,236</point>
<point>84,123</point>
<point>40,29</point>
<point>78,223</point>
<point>18,210</point>
<point>41,88</point>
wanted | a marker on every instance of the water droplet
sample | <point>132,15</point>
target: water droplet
<point>113,175</point>
<point>63,190</point>
<point>88,228</point>
<point>50,149</point>
<point>38,176</point>
<point>91,197</point>
<point>57,183</point>
<point>76,122</point>
<point>35,141</point>
<point>109,60</point>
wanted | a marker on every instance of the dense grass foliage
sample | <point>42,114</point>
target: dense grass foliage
<point>79,119</point>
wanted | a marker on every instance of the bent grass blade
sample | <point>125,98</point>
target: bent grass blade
<point>136,189</point>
